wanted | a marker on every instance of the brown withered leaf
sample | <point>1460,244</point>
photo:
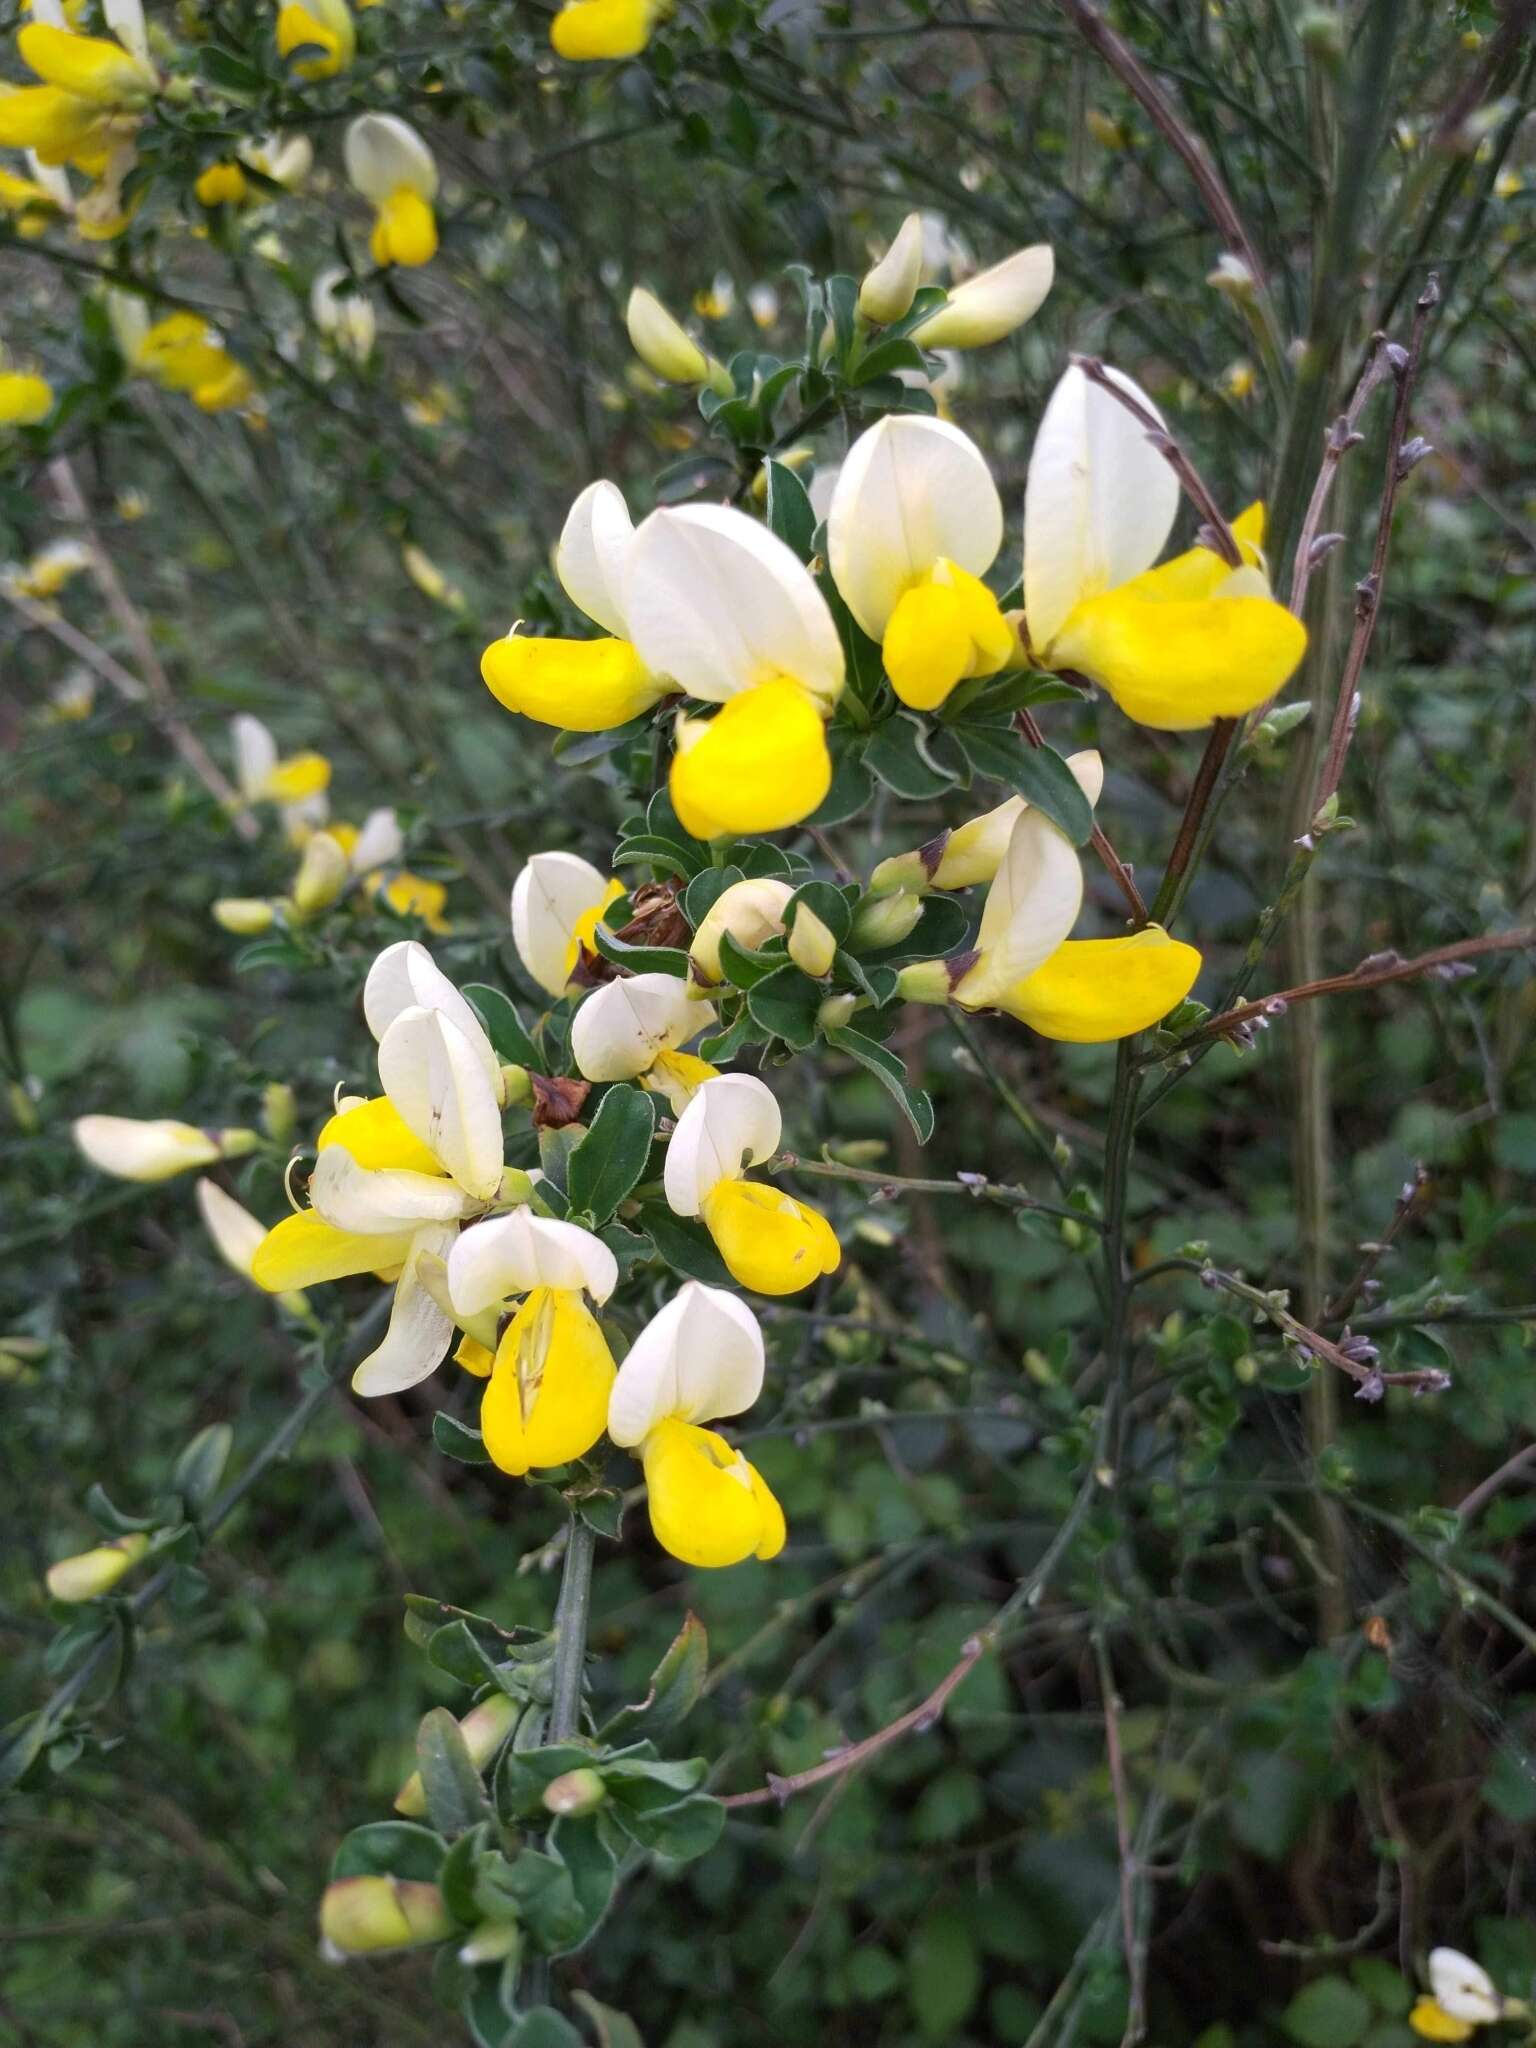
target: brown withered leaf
<point>557,1102</point>
<point>657,921</point>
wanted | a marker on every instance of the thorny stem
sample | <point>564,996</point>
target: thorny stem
<point>1400,460</point>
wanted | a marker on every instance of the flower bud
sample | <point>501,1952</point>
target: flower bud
<point>236,1143</point>
<point>484,1729</point>
<point>811,944</point>
<point>836,1011</point>
<point>516,1087</point>
<point>324,871</point>
<point>362,1916</point>
<point>1232,278</point>
<point>751,912</point>
<point>279,1111</point>
<point>135,1149</point>
<point>429,579</point>
<point>925,981</point>
<point>908,871</point>
<point>492,1942</point>
<point>991,304</point>
<point>574,1792</point>
<point>666,348</point>
<point>882,921</point>
<point>889,288</point>
<point>244,915</point>
<point>94,1572</point>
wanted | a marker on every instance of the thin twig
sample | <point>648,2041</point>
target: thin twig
<point>1401,457</point>
<point>1341,437</point>
<point>1415,1191</point>
<point>1207,775</point>
<point>1350,1356</point>
<point>976,1185</point>
<point>1222,539</point>
<point>1135,1954</point>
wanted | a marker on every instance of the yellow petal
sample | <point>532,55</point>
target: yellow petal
<point>300,776</point>
<point>1178,664</point>
<point>1200,572</point>
<point>411,895</point>
<point>760,764</point>
<point>547,1398</point>
<point>377,1136</point>
<point>231,387</point>
<point>60,127</point>
<point>708,1505</point>
<point>93,68</point>
<point>944,629</point>
<point>1433,2023</point>
<point>404,230</point>
<point>300,27</point>
<point>1093,990</point>
<point>769,1241</point>
<point>677,1077</point>
<point>578,685</point>
<point>588,30</point>
<point>24,399</point>
<point>475,1357</point>
<point>305,1251</point>
<point>221,185</point>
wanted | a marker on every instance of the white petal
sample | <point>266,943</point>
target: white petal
<point>1088,771</point>
<point>514,1253</point>
<point>622,1026</point>
<point>379,842</point>
<point>1031,906</point>
<point>381,1201</point>
<point>593,551</point>
<point>890,285</point>
<point>406,977</point>
<point>551,893</point>
<point>134,1149</point>
<point>418,1332</point>
<point>719,604</point>
<point>1099,503</point>
<point>383,153</point>
<point>732,1123</point>
<point>53,178</point>
<point>911,490</point>
<point>255,753</point>
<point>433,1076</point>
<point>1463,1988</point>
<point>125,18</point>
<point>699,1357</point>
<point>993,303</point>
<point>234,1230</point>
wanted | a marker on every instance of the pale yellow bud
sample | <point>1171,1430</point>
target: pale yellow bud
<point>94,1572</point>
<point>925,981</point>
<point>993,303</point>
<point>666,348</point>
<point>492,1942</point>
<point>244,915</point>
<point>574,1792</point>
<point>882,921</point>
<point>324,872</point>
<point>1232,278</point>
<point>811,944</point>
<point>279,1111</point>
<point>484,1729</point>
<point>361,1916</point>
<point>889,288</point>
<point>836,1011</point>
<point>751,911</point>
<point>516,1086</point>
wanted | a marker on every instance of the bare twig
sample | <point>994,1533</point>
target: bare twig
<point>1401,457</point>
<point>1135,1953</point>
<point>1207,775</point>
<point>1414,1193</point>
<point>1351,1355</point>
<point>1371,973</point>
<point>1342,436</point>
<point>1470,1508</point>
<point>1127,67</point>
<point>976,1185</point>
<point>1221,537</point>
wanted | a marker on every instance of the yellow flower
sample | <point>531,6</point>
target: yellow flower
<point>1431,2023</point>
<point>222,184</point>
<point>30,202</point>
<point>769,1241</point>
<point>183,353</point>
<point>364,1916</point>
<point>661,342</point>
<point>1092,991</point>
<point>393,169</point>
<point>46,574</point>
<point>318,36</point>
<point>586,31</point>
<point>1176,646</point>
<point>94,1572</point>
<point>699,1358</point>
<point>93,87</point>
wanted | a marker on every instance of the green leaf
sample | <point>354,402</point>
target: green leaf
<point>111,1518</point>
<point>504,1027</point>
<point>888,357</point>
<point>543,1890</point>
<point>21,1744</point>
<point>785,1004</point>
<point>898,754</point>
<point>744,968</point>
<point>1327,2013</point>
<point>675,1686</point>
<point>201,1465</point>
<point>1038,774</point>
<point>1387,1989</point>
<point>685,1244</point>
<point>942,929</point>
<point>456,1878</point>
<point>851,784</point>
<point>789,510</point>
<point>611,1157</point>
<point>580,1844</point>
<point>613,2029</point>
<point>943,1972</point>
<point>456,1439</point>
<point>843,304</point>
<point>542,2027</point>
<point>390,1848</point>
<point>455,1796</point>
<point>525,1773</point>
<point>669,856</point>
<point>456,1649</point>
<point>682,1831</point>
<point>887,1069</point>
<point>643,959</point>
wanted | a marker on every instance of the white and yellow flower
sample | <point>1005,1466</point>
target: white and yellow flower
<point>915,523</point>
<point>632,1029</point>
<point>45,574</point>
<point>665,346</point>
<point>558,901</point>
<point>699,1358</point>
<point>346,319</point>
<point>890,285</point>
<point>769,1241</point>
<point>1462,1997</point>
<point>92,88</point>
<point>1176,646</point>
<point>316,38</point>
<point>973,852</point>
<point>295,783</point>
<point>390,166</point>
<point>546,1398</point>
<point>725,610</point>
<point>395,1177</point>
<point>581,685</point>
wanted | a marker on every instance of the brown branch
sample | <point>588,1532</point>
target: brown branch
<point>1116,868</point>
<point>1341,437</point>
<point>1371,973</point>
<point>1401,457</point>
<point>1482,1493</point>
<point>1354,1356</point>
<point>1221,539</point>
<point>1207,775</point>
<point>1128,68</point>
<point>917,1722</point>
<point>1415,1192</point>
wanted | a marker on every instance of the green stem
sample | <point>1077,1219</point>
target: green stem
<point>572,1614</point>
